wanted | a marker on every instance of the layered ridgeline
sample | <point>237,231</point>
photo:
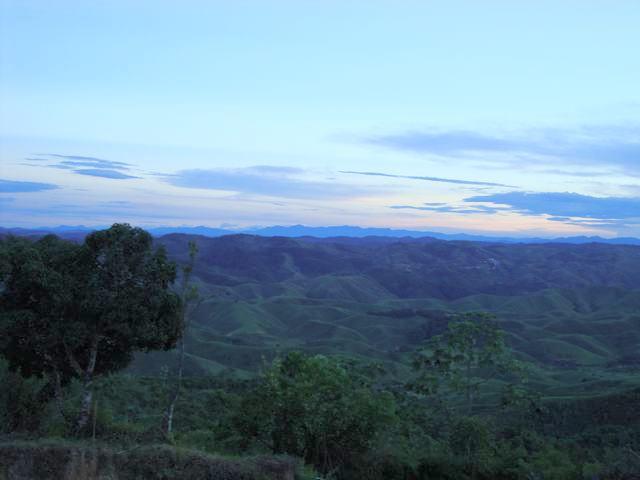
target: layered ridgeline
<point>571,310</point>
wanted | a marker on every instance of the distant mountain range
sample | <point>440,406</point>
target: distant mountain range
<point>347,231</point>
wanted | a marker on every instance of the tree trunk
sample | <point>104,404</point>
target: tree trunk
<point>167,418</point>
<point>59,396</point>
<point>85,409</point>
<point>188,294</point>
<point>87,389</point>
<point>469,392</point>
<point>55,381</point>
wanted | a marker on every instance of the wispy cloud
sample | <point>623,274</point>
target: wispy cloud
<point>582,222</point>
<point>565,205</point>
<point>444,143</point>
<point>13,186</point>
<point>267,180</point>
<point>430,179</point>
<point>83,165</point>
<point>473,210</point>
<point>106,212</point>
<point>618,213</point>
<point>574,173</point>
<point>93,164</point>
<point>81,160</point>
<point>103,173</point>
<point>616,147</point>
<point>276,170</point>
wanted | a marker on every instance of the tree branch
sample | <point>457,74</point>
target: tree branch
<point>72,360</point>
<point>93,355</point>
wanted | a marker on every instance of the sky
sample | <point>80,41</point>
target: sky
<point>494,117</point>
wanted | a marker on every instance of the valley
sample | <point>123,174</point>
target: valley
<point>571,311</point>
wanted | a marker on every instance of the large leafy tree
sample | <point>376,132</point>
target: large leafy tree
<point>78,311</point>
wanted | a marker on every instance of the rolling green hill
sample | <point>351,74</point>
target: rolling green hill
<point>573,311</point>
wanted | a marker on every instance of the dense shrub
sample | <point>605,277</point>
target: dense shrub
<point>312,408</point>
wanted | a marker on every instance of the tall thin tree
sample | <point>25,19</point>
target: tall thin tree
<point>190,300</point>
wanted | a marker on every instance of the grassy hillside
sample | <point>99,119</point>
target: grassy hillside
<point>573,311</point>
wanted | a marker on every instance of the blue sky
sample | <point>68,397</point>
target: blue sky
<point>495,117</point>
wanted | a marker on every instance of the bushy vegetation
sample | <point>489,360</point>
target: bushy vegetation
<point>47,459</point>
<point>314,409</point>
<point>465,395</point>
<point>345,426</point>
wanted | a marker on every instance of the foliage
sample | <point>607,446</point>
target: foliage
<point>56,459</point>
<point>312,408</point>
<point>22,401</point>
<point>470,440</point>
<point>76,311</point>
<point>468,355</point>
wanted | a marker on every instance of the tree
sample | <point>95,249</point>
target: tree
<point>188,295</point>
<point>77,311</point>
<point>470,440</point>
<point>468,355</point>
<point>313,408</point>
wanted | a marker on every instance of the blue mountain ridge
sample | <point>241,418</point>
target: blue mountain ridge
<point>325,232</point>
